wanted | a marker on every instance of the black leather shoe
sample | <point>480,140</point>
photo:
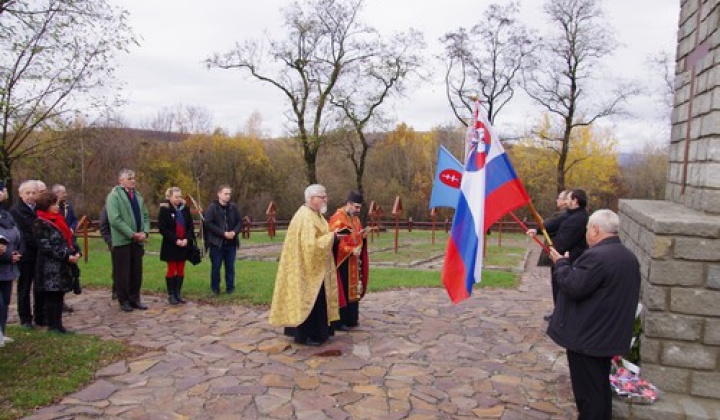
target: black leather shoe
<point>138,305</point>
<point>341,327</point>
<point>67,308</point>
<point>27,325</point>
<point>126,307</point>
<point>312,343</point>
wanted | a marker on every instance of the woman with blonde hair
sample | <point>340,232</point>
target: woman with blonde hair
<point>178,236</point>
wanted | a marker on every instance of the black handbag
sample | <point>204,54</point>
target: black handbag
<point>75,276</point>
<point>195,254</point>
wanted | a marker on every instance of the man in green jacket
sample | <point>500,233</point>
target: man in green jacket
<point>129,226</point>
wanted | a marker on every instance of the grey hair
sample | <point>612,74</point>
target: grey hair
<point>312,190</point>
<point>126,173</point>
<point>605,220</point>
<point>172,190</point>
<point>56,188</point>
<point>23,185</point>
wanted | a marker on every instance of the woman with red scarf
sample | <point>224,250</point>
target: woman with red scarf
<point>56,265</point>
<point>175,224</point>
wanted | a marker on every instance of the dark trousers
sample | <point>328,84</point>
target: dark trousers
<point>219,256</point>
<point>5,293</point>
<point>53,309</point>
<point>591,385</point>
<point>350,312</point>
<point>24,289</point>
<point>315,327</point>
<point>127,272</point>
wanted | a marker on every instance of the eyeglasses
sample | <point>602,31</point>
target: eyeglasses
<point>322,197</point>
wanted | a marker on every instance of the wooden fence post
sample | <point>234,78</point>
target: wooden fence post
<point>271,219</point>
<point>246,224</point>
<point>375,212</point>
<point>396,212</point>
<point>83,224</point>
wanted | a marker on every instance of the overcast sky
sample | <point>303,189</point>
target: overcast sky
<point>176,35</point>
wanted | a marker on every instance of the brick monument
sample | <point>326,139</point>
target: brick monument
<point>678,240</point>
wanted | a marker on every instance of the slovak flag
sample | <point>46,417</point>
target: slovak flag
<point>489,189</point>
<point>446,186</point>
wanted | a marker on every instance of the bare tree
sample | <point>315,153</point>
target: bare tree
<point>561,85</point>
<point>184,119</point>
<point>58,59</point>
<point>384,76</point>
<point>486,61</point>
<point>325,44</point>
<point>662,65</point>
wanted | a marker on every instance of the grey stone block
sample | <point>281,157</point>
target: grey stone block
<point>691,356</point>
<point>705,384</point>
<point>713,276</point>
<point>678,327</point>
<point>677,273</point>
<point>712,332</point>
<point>650,349</point>
<point>697,249</point>
<point>655,298</point>
<point>695,301</point>
<point>666,218</point>
<point>666,378</point>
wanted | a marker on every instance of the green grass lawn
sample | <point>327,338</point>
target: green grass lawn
<point>255,279</point>
<point>40,367</point>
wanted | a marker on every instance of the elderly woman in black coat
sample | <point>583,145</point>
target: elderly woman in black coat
<point>178,238</point>
<point>56,270</point>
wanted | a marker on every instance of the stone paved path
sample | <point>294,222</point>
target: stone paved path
<point>415,356</point>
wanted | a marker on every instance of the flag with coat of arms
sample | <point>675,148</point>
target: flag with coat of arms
<point>489,189</point>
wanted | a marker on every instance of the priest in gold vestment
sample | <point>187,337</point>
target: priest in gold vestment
<point>305,299</point>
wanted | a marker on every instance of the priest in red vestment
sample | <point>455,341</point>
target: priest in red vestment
<point>351,260</point>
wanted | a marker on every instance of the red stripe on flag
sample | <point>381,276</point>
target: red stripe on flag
<point>504,199</point>
<point>454,274</point>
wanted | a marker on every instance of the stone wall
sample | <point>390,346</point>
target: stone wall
<point>702,191</point>
<point>679,253</point>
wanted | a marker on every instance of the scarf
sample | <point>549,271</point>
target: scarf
<point>58,221</point>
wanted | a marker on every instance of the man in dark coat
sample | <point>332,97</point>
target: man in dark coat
<point>24,214</point>
<point>570,235</point>
<point>595,311</point>
<point>222,225</point>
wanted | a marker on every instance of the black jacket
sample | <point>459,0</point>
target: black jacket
<point>552,225</point>
<point>53,271</point>
<point>215,224</point>
<point>169,251</point>
<point>24,218</point>
<point>570,235</point>
<point>595,309</point>
<point>105,228</point>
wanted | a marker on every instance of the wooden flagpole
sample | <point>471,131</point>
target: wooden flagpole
<point>540,223</point>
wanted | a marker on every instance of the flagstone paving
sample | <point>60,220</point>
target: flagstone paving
<point>415,356</point>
